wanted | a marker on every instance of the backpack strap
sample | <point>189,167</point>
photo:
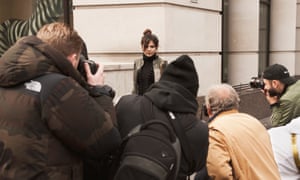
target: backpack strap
<point>148,113</point>
<point>295,150</point>
<point>185,145</point>
<point>147,109</point>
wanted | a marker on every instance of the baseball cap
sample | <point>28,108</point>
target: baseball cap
<point>278,72</point>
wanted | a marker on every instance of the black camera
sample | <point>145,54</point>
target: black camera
<point>256,82</point>
<point>204,110</point>
<point>91,63</point>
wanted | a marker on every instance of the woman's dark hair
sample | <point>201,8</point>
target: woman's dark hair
<point>147,37</point>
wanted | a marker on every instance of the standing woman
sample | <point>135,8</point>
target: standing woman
<point>148,69</point>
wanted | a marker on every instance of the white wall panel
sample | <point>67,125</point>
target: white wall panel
<point>113,30</point>
<point>207,4</point>
<point>117,29</point>
<point>198,30</point>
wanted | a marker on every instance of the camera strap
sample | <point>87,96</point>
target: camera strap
<point>295,150</point>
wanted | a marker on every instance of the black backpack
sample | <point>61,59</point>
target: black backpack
<point>147,153</point>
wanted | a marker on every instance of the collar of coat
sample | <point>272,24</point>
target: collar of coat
<point>222,113</point>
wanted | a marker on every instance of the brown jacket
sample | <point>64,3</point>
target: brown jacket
<point>48,139</point>
<point>240,148</point>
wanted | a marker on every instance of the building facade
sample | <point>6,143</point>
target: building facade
<point>230,41</point>
<point>183,27</point>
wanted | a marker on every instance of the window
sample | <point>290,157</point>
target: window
<point>225,41</point>
<point>264,26</point>
<point>18,18</point>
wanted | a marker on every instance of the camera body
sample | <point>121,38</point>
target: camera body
<point>91,63</point>
<point>256,82</point>
<point>204,110</point>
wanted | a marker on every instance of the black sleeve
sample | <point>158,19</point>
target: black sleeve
<point>128,112</point>
<point>202,174</point>
<point>199,143</point>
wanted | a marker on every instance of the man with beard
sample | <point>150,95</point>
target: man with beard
<point>283,94</point>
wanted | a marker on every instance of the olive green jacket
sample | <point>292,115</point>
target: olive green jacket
<point>288,106</point>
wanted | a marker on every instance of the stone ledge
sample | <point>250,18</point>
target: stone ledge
<point>109,66</point>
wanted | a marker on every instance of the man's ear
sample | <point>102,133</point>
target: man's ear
<point>275,83</point>
<point>209,112</point>
<point>74,59</point>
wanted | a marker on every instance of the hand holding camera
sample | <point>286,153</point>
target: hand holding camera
<point>81,67</point>
<point>94,78</point>
<point>271,94</point>
<point>93,74</point>
<point>91,71</point>
<point>272,99</point>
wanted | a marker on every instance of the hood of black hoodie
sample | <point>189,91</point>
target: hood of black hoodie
<point>30,58</point>
<point>173,97</point>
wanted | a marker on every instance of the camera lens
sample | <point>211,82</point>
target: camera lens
<point>256,82</point>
